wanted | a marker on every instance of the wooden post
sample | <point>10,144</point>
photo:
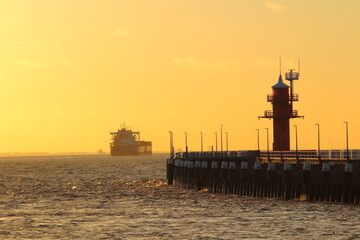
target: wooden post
<point>224,176</point>
<point>287,181</point>
<point>205,175</point>
<point>197,175</point>
<point>271,180</point>
<point>257,180</point>
<point>190,178</point>
<point>176,172</point>
<point>170,171</point>
<point>232,177</point>
<point>305,182</point>
<point>243,178</point>
<point>348,195</point>
<point>326,168</point>
<point>214,176</point>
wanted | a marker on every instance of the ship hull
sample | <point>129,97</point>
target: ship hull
<point>131,150</point>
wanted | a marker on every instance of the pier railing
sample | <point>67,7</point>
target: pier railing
<point>311,155</point>
<point>217,154</point>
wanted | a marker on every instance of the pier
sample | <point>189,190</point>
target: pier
<point>302,175</point>
<point>312,175</point>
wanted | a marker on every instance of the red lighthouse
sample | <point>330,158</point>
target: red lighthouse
<point>282,101</point>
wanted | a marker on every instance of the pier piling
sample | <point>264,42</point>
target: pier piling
<point>246,174</point>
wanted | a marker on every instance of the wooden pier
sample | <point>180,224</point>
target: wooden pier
<point>251,174</point>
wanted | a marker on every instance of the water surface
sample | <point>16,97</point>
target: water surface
<point>102,197</point>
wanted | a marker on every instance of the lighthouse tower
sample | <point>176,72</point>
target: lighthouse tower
<point>282,102</point>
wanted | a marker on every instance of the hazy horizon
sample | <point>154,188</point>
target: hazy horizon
<point>72,71</point>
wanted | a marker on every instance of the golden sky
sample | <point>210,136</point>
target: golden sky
<point>72,71</point>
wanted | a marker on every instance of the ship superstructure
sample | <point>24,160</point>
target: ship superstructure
<point>125,142</point>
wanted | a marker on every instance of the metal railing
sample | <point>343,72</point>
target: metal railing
<point>292,75</point>
<point>295,97</point>
<point>218,154</point>
<point>270,114</point>
<point>354,154</point>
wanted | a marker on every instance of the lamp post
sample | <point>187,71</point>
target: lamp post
<point>258,139</point>
<point>347,141</point>
<point>201,142</point>
<point>216,142</point>
<point>186,145</point>
<point>171,145</point>
<point>227,141</point>
<point>318,126</point>
<point>267,143</point>
<point>296,141</point>
<point>221,139</point>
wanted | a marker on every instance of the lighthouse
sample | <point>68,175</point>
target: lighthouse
<point>282,100</point>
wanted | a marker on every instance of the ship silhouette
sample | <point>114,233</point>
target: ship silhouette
<point>125,142</point>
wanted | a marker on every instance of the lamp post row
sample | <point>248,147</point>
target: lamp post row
<point>258,140</point>
<point>201,141</point>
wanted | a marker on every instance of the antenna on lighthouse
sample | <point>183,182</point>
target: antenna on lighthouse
<point>291,76</point>
<point>280,64</point>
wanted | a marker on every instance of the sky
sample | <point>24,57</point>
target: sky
<point>73,71</point>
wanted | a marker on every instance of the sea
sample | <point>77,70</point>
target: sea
<point>103,197</point>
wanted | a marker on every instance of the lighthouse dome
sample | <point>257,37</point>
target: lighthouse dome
<point>280,83</point>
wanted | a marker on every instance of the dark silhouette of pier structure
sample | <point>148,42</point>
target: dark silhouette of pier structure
<point>253,173</point>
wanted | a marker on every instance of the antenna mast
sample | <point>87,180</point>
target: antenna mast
<point>291,76</point>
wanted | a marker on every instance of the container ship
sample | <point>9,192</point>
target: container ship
<point>125,142</point>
